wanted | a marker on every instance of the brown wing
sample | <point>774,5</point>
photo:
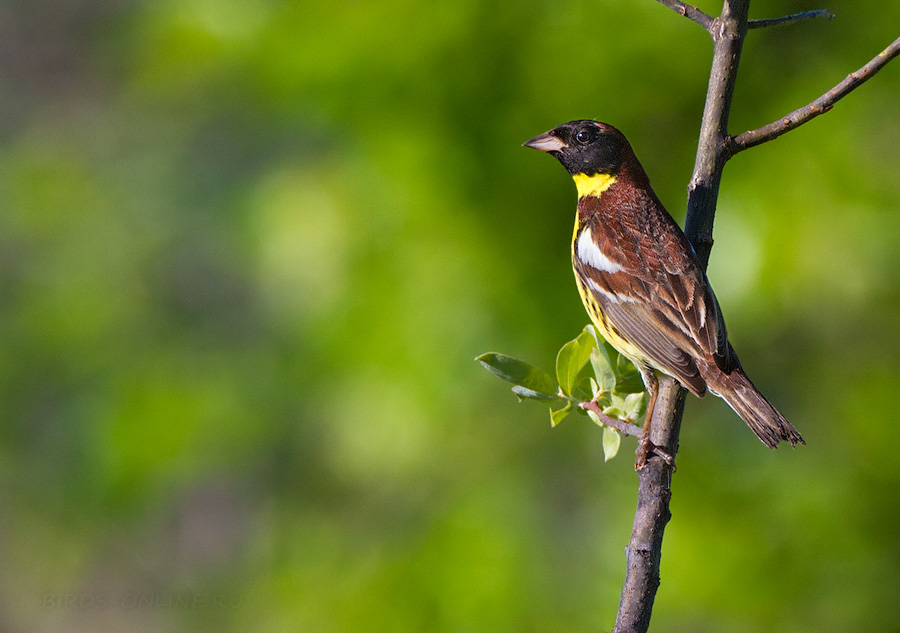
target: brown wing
<point>649,284</point>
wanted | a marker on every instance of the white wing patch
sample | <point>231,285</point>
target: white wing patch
<point>589,253</point>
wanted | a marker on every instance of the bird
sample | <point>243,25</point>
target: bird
<point>643,285</point>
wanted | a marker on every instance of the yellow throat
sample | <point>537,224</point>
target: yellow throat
<point>593,185</point>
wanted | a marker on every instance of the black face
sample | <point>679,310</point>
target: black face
<point>583,147</point>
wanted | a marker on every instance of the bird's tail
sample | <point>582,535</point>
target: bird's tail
<point>746,400</point>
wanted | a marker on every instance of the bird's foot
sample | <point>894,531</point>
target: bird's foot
<point>646,448</point>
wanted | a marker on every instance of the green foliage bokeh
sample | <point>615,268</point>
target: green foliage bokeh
<point>249,250</point>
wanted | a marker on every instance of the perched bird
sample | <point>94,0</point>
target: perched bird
<point>642,283</point>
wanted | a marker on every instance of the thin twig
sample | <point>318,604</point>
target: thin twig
<point>796,17</point>
<point>820,106</point>
<point>621,426</point>
<point>690,12</point>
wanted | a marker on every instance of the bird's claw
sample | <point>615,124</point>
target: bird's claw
<point>646,448</point>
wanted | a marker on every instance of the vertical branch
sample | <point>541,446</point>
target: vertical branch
<point>703,190</point>
<point>644,550</point>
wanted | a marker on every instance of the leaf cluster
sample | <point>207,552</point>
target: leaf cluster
<point>588,369</point>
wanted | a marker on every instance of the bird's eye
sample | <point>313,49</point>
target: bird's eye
<point>583,137</point>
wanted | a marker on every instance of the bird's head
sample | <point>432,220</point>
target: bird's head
<point>584,147</point>
<point>594,153</point>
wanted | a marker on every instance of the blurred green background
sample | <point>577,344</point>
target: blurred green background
<point>250,248</point>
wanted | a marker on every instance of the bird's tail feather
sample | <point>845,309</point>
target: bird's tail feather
<point>763,419</point>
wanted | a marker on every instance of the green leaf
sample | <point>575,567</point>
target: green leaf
<point>600,397</point>
<point>519,373</point>
<point>603,369</point>
<point>582,389</point>
<point>625,366</point>
<point>617,401</point>
<point>614,412</point>
<point>572,358</point>
<point>530,394</point>
<point>630,383</point>
<point>611,442</point>
<point>617,408</point>
<point>634,406</point>
<point>560,414</point>
<point>611,352</point>
<point>596,418</point>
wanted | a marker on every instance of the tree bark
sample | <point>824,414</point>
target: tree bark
<point>644,550</point>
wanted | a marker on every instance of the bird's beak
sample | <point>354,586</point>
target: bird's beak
<point>546,142</point>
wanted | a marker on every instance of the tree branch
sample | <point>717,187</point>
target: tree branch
<point>690,12</point>
<point>703,189</point>
<point>620,425</point>
<point>644,550</point>
<point>796,17</point>
<point>820,106</point>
